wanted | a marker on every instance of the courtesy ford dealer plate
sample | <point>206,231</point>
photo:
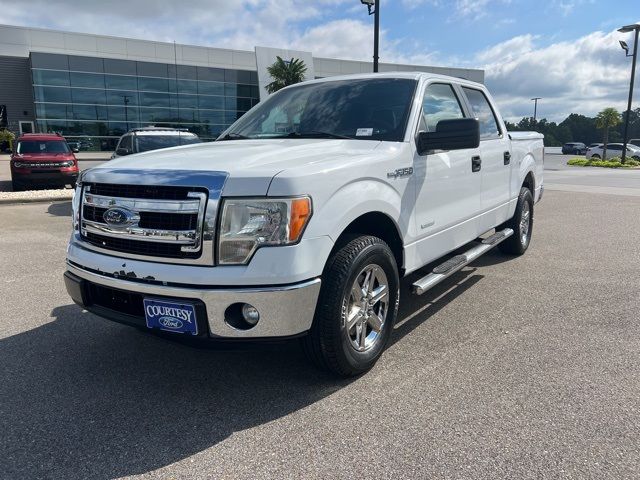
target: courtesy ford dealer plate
<point>171,316</point>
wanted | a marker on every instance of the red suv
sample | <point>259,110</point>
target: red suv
<point>42,159</point>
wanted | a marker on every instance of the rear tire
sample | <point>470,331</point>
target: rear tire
<point>356,309</point>
<point>522,225</point>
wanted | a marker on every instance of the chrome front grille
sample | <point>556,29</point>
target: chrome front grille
<point>170,214</point>
<point>164,228</point>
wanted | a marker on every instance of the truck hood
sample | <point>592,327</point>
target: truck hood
<point>250,164</point>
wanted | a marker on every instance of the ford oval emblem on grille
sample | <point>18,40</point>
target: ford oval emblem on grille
<point>119,217</point>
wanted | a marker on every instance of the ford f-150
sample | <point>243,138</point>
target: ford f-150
<point>304,215</point>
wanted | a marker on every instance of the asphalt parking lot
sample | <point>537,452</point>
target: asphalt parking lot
<point>514,368</point>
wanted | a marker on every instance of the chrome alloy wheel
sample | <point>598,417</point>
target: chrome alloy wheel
<point>367,307</point>
<point>525,223</point>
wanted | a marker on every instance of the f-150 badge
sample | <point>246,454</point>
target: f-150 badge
<point>400,172</point>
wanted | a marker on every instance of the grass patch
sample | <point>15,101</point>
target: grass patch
<point>611,163</point>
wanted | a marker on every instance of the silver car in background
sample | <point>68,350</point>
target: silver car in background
<point>613,150</point>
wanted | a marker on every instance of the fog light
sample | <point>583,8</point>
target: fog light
<point>250,314</point>
<point>241,316</point>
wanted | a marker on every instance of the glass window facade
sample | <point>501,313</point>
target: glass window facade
<point>86,96</point>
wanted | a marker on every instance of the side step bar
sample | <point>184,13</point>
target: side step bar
<point>456,263</point>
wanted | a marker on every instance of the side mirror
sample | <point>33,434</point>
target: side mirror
<point>454,134</point>
<point>123,151</point>
<point>75,149</point>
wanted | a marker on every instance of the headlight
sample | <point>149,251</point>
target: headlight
<point>248,224</point>
<point>18,164</point>
<point>68,164</point>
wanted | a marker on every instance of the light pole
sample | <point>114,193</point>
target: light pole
<point>375,4</point>
<point>535,107</point>
<point>626,29</point>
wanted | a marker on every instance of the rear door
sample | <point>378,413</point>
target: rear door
<point>495,152</point>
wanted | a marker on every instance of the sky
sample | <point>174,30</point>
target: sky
<point>565,51</point>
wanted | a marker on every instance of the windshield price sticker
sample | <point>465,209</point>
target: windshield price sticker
<point>364,132</point>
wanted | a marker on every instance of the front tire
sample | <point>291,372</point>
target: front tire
<point>522,225</point>
<point>356,309</point>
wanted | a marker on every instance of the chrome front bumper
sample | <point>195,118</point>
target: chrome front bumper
<point>285,310</point>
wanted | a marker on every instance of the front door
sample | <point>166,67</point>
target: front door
<point>447,187</point>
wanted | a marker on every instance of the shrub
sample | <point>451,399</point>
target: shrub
<point>611,163</point>
<point>581,162</point>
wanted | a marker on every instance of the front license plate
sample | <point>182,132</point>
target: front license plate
<point>171,316</point>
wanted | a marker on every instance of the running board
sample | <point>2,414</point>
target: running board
<point>456,263</point>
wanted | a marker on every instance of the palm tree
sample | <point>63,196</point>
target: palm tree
<point>607,118</point>
<point>285,73</point>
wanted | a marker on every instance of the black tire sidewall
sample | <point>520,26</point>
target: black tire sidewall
<point>380,255</point>
<point>524,197</point>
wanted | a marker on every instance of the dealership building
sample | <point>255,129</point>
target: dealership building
<point>97,87</point>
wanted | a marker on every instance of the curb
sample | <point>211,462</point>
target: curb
<point>18,201</point>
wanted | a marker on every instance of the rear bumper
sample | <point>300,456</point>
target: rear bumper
<point>285,310</point>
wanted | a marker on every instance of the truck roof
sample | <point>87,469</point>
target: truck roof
<point>162,131</point>
<point>409,75</point>
<point>41,136</point>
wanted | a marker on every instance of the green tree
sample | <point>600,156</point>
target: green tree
<point>581,129</point>
<point>606,119</point>
<point>285,73</point>
<point>7,136</point>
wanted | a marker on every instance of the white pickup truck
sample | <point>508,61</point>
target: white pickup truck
<point>300,221</point>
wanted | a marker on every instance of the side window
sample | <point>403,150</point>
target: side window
<point>483,112</point>
<point>125,142</point>
<point>439,103</point>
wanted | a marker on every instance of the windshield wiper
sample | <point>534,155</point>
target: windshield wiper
<point>233,136</point>
<point>316,134</point>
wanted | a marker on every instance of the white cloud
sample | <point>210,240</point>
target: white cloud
<point>582,76</point>
<point>204,22</point>
<point>567,7</point>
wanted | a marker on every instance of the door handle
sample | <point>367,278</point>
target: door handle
<point>476,163</point>
<point>507,158</point>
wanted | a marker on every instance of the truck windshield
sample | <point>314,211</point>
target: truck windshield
<point>42,146</point>
<point>368,109</point>
<point>144,143</point>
